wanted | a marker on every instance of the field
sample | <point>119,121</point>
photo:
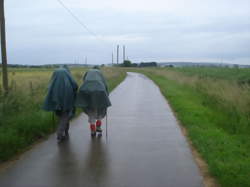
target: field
<point>22,120</point>
<point>213,104</point>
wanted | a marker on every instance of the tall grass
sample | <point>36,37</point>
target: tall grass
<point>232,74</point>
<point>22,122</point>
<point>225,95</point>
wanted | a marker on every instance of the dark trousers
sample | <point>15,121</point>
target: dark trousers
<point>63,126</point>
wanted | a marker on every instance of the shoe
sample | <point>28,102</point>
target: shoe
<point>66,134</point>
<point>60,138</point>
<point>99,134</point>
<point>93,134</point>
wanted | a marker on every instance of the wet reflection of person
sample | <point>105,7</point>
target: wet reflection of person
<point>65,169</point>
<point>96,167</point>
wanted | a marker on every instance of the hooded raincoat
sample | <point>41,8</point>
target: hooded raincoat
<point>93,94</point>
<point>61,93</point>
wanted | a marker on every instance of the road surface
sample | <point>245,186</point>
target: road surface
<point>145,148</point>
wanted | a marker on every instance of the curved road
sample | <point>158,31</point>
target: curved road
<point>145,148</point>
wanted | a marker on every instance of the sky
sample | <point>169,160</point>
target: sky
<point>43,32</point>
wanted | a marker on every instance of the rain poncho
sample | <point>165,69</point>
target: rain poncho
<point>61,93</point>
<point>93,94</point>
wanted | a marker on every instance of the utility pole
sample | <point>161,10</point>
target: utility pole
<point>3,48</point>
<point>124,53</point>
<point>117,54</point>
<point>112,58</point>
<point>86,60</point>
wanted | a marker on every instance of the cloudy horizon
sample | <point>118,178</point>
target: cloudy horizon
<point>43,32</point>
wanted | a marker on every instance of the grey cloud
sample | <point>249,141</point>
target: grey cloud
<point>43,32</point>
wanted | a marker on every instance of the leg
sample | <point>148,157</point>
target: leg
<point>92,121</point>
<point>98,125</point>
<point>101,112</point>
<point>67,130</point>
<point>63,123</point>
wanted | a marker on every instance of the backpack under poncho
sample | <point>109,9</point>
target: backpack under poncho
<point>61,93</point>
<point>93,94</point>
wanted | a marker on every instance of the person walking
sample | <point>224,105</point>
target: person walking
<point>93,98</point>
<point>61,99</point>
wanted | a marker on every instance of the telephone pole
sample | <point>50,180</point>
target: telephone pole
<point>124,53</point>
<point>86,60</point>
<point>117,54</point>
<point>112,58</point>
<point>3,48</point>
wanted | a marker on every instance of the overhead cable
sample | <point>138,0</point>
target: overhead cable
<point>77,19</point>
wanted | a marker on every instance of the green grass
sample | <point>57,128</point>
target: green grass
<point>232,74</point>
<point>22,120</point>
<point>219,132</point>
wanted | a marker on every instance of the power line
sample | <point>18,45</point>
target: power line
<point>81,23</point>
<point>77,19</point>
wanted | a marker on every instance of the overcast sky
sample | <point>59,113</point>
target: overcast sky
<point>42,31</point>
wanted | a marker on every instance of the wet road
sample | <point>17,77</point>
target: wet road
<point>145,148</point>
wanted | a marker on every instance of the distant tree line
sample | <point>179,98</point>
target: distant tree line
<point>31,66</point>
<point>128,63</point>
<point>148,64</point>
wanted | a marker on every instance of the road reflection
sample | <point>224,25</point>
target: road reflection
<point>96,162</point>
<point>89,166</point>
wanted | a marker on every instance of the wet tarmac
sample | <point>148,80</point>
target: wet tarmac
<point>145,148</point>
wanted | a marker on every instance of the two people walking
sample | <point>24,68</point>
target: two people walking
<point>63,98</point>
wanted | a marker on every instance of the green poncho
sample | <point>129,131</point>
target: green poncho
<point>62,92</point>
<point>93,94</point>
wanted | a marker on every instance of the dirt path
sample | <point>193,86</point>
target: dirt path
<point>145,148</point>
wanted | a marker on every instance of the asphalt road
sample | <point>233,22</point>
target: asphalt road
<point>145,148</point>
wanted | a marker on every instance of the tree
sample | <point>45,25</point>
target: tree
<point>3,47</point>
<point>148,64</point>
<point>127,63</point>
